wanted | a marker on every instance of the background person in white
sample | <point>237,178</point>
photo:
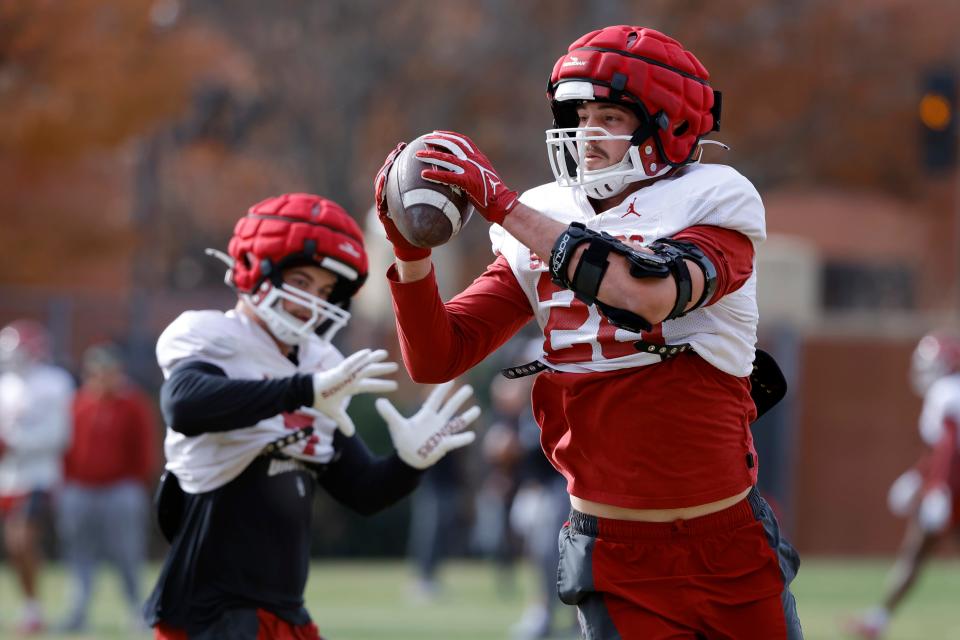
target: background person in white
<point>927,495</point>
<point>35,405</point>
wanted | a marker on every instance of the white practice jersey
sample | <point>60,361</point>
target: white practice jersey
<point>940,403</point>
<point>723,334</point>
<point>244,350</point>
<point>35,425</point>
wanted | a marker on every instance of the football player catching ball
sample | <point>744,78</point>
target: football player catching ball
<point>638,263</point>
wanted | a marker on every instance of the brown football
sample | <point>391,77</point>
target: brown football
<point>426,213</point>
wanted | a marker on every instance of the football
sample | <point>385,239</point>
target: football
<point>426,213</point>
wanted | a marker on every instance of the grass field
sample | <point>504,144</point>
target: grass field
<point>372,601</point>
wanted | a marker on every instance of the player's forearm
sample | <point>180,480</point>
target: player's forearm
<point>432,347</point>
<point>533,229</point>
<point>199,398</point>
<point>650,298</point>
<point>440,341</point>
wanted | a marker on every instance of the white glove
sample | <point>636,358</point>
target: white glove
<point>935,510</point>
<point>904,492</point>
<point>422,439</point>
<point>357,374</point>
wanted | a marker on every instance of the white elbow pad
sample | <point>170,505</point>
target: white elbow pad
<point>935,510</point>
<point>904,492</point>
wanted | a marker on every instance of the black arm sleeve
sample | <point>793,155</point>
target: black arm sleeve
<point>363,482</point>
<point>198,397</point>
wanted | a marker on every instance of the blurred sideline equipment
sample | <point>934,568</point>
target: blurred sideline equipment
<point>255,403</point>
<point>929,493</point>
<point>35,398</point>
<point>638,264</point>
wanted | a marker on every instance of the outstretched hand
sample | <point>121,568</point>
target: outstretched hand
<point>357,374</point>
<point>935,511</point>
<point>402,248</point>
<point>461,164</point>
<point>425,437</point>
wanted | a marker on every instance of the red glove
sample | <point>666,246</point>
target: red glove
<point>402,248</point>
<point>465,166</point>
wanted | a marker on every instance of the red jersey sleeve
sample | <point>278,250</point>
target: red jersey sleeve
<point>730,251</point>
<point>441,341</point>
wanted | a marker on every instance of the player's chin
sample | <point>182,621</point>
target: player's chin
<point>595,164</point>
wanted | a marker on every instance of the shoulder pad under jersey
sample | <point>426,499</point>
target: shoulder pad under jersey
<point>318,355</point>
<point>552,199</point>
<point>202,335</point>
<point>721,196</point>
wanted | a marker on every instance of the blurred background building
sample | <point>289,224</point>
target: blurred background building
<point>134,133</point>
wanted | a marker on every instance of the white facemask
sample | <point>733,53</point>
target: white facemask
<point>268,305</point>
<point>598,183</point>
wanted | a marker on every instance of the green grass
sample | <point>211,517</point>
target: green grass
<point>359,600</point>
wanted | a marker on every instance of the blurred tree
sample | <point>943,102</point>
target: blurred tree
<point>80,82</point>
<point>167,119</point>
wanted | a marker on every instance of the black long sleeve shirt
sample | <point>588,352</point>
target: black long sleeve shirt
<point>246,545</point>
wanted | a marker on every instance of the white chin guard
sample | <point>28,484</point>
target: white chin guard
<point>571,143</point>
<point>287,328</point>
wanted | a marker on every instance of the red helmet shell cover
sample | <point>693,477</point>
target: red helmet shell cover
<point>641,67</point>
<point>293,227</point>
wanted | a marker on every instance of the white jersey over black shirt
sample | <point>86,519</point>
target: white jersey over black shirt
<point>240,535</point>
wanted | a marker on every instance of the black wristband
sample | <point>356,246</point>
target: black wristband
<point>563,249</point>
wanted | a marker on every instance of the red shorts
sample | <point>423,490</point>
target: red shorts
<point>723,576</point>
<point>31,505</point>
<point>271,628</point>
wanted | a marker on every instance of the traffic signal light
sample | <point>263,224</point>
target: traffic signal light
<point>937,112</point>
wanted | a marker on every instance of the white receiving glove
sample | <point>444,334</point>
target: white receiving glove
<point>357,374</point>
<point>422,439</point>
<point>935,510</point>
<point>904,492</point>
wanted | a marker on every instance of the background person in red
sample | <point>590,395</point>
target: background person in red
<point>108,471</point>
<point>928,495</point>
<point>638,265</point>
<point>35,399</point>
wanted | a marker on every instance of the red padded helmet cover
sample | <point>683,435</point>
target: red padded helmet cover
<point>660,75</point>
<point>279,228</point>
